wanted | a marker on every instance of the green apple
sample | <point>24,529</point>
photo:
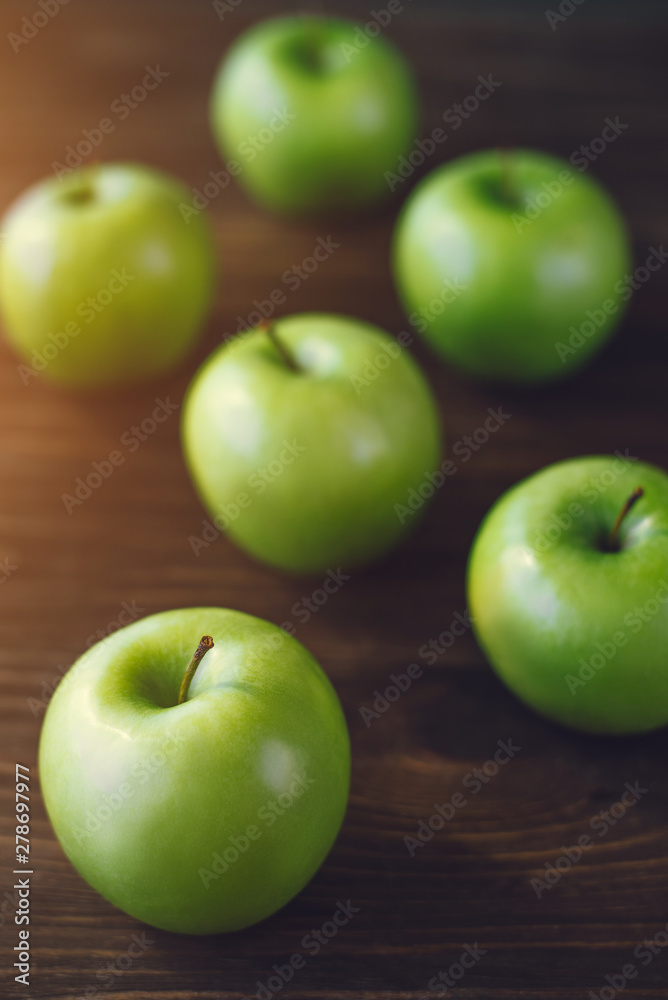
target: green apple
<point>568,590</point>
<point>311,112</point>
<point>198,802</point>
<point>303,437</point>
<point>101,280</point>
<point>512,265</point>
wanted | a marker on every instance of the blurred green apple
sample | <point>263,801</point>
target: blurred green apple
<point>197,805</point>
<point>568,592</point>
<point>303,437</point>
<point>313,111</point>
<point>101,280</point>
<point>512,265</point>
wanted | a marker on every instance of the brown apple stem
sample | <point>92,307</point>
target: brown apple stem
<point>281,349</point>
<point>506,180</point>
<point>613,542</point>
<point>205,644</point>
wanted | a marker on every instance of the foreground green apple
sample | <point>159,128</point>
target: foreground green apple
<point>512,264</point>
<point>101,281</point>
<point>303,437</point>
<point>311,111</point>
<point>196,804</point>
<point>568,589</point>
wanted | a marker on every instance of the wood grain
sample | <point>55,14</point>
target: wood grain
<point>129,542</point>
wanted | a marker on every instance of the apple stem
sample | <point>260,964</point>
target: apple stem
<point>281,349</point>
<point>205,644</point>
<point>507,186</point>
<point>612,541</point>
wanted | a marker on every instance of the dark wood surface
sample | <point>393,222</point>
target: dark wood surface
<point>129,541</point>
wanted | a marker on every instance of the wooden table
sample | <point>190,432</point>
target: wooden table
<point>128,543</point>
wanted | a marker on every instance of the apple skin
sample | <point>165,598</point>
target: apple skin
<point>260,711</point>
<point>514,290</point>
<point>63,241</point>
<point>355,114</point>
<point>544,593</point>
<point>364,446</point>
